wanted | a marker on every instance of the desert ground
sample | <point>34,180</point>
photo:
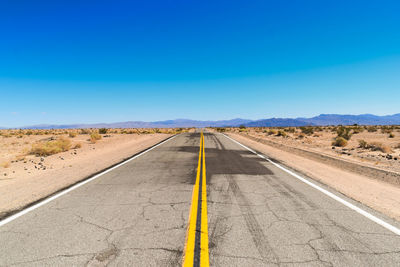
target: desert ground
<point>37,163</point>
<point>368,148</point>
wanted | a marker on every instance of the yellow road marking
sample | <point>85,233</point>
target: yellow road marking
<point>204,257</point>
<point>189,252</point>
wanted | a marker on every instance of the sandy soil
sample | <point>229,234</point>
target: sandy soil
<point>376,194</point>
<point>27,178</point>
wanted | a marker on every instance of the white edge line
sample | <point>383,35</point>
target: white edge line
<point>47,200</point>
<point>326,192</point>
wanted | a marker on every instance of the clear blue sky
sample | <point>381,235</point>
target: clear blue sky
<point>109,61</point>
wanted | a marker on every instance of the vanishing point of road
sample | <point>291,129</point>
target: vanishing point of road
<point>199,200</point>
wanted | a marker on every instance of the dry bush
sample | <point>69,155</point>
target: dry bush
<point>51,147</point>
<point>363,144</point>
<point>94,137</point>
<point>376,146</point>
<point>5,164</point>
<point>344,132</point>
<point>281,133</point>
<point>391,135</point>
<point>77,145</point>
<point>72,134</point>
<point>272,132</point>
<point>103,130</point>
<point>339,141</point>
<point>84,131</point>
<point>309,130</point>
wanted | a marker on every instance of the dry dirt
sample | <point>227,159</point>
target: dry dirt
<point>28,178</point>
<point>378,195</point>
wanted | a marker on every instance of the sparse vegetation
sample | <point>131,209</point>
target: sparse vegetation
<point>50,147</point>
<point>391,135</point>
<point>77,145</point>
<point>103,130</point>
<point>281,133</point>
<point>339,142</point>
<point>344,132</point>
<point>307,130</point>
<point>72,134</point>
<point>94,137</point>
<point>377,146</point>
<point>363,144</point>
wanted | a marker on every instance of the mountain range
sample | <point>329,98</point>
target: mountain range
<point>320,120</point>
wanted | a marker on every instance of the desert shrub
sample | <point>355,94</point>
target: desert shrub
<point>372,129</point>
<point>339,141</point>
<point>363,144</point>
<point>72,134</point>
<point>344,132</point>
<point>242,130</point>
<point>77,145</point>
<point>376,146</point>
<point>290,130</point>
<point>94,137</point>
<point>281,133</point>
<point>272,132</point>
<point>220,129</point>
<point>84,131</point>
<point>391,135</point>
<point>387,129</point>
<point>103,130</point>
<point>242,127</point>
<point>29,132</point>
<point>357,129</point>
<point>307,130</point>
<point>50,147</point>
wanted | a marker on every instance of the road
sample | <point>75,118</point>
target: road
<point>138,214</point>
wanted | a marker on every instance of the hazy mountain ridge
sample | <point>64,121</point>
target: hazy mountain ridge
<point>322,120</point>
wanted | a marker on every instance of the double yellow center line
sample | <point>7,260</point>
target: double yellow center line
<point>196,248</point>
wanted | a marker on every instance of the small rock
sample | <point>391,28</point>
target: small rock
<point>41,159</point>
<point>5,174</point>
<point>333,147</point>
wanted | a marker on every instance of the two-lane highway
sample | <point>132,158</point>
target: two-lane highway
<point>139,214</point>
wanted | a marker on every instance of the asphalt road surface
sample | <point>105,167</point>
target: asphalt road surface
<point>138,215</point>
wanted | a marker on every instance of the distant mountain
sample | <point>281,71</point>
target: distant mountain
<point>276,122</point>
<point>364,119</point>
<point>141,124</point>
<point>322,120</point>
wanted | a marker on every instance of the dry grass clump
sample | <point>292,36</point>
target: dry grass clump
<point>309,130</point>
<point>377,146</point>
<point>339,141</point>
<point>391,135</point>
<point>103,130</point>
<point>5,164</point>
<point>94,137</point>
<point>272,132</point>
<point>281,133</point>
<point>77,145</point>
<point>72,134</point>
<point>51,147</point>
<point>344,132</point>
<point>363,144</point>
